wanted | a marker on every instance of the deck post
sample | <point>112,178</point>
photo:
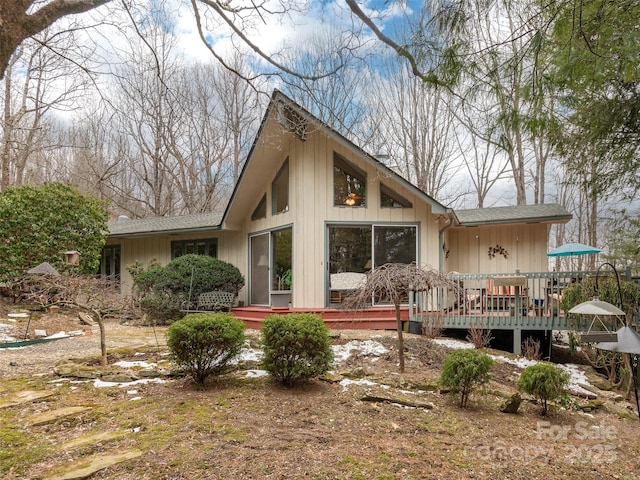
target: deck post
<point>412,298</point>
<point>517,341</point>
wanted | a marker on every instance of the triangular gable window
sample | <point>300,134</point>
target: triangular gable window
<point>392,199</point>
<point>349,184</point>
<point>280,190</point>
<point>261,209</point>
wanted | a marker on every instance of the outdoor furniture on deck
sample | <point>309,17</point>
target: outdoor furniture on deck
<point>507,291</point>
<point>343,283</point>
<point>216,300</point>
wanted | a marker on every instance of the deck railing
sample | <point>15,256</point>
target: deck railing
<point>518,302</point>
<point>525,301</point>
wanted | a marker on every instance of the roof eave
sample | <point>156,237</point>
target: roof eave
<point>544,219</point>
<point>176,231</point>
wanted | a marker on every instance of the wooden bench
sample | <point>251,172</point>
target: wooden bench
<point>214,301</point>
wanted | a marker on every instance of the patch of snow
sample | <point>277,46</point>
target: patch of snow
<point>60,380</point>
<point>133,399</point>
<point>576,378</point>
<point>406,407</point>
<point>518,362</point>
<point>249,354</point>
<point>364,347</point>
<point>59,335</point>
<point>413,392</point>
<point>346,383</point>
<point>256,373</point>
<point>101,384</point>
<point>454,344</point>
<point>7,338</point>
<point>141,364</point>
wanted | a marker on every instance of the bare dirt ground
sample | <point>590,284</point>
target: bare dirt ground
<point>355,425</point>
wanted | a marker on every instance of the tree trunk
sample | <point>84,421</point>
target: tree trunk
<point>103,340</point>
<point>400,339</point>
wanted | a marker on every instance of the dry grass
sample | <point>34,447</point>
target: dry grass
<point>251,428</point>
<point>433,325</point>
<point>531,349</point>
<point>479,336</point>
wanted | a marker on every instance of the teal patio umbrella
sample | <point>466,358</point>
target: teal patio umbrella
<point>573,249</point>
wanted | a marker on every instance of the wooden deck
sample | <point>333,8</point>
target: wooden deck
<point>373,318</point>
<point>520,302</point>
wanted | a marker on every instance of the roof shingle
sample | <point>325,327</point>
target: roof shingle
<point>547,212</point>
<point>155,225</point>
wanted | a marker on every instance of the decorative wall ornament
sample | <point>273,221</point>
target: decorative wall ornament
<point>445,250</point>
<point>498,250</point>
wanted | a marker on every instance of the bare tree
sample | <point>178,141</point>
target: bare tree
<point>238,109</point>
<point>338,100</point>
<point>481,159</point>
<point>21,20</point>
<point>418,131</point>
<point>508,72</point>
<point>148,113</point>
<point>391,283</point>
<point>100,298</point>
<point>37,84</point>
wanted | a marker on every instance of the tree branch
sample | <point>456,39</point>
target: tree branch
<point>220,12</point>
<point>399,49</point>
<point>16,24</point>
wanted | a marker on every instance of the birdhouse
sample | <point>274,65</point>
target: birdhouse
<point>73,257</point>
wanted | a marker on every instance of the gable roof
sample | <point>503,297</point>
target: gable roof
<point>243,199</point>
<point>547,213</point>
<point>139,227</point>
<point>240,203</point>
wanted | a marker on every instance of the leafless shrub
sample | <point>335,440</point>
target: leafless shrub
<point>98,297</point>
<point>478,335</point>
<point>531,349</point>
<point>391,283</point>
<point>433,325</point>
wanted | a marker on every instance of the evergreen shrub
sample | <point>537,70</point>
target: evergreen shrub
<point>296,347</point>
<point>464,370</point>
<point>166,290</point>
<point>203,344</point>
<point>545,381</point>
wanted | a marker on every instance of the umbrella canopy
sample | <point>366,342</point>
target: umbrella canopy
<point>628,342</point>
<point>596,307</point>
<point>573,248</point>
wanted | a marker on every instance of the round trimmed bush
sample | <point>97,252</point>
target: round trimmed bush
<point>203,344</point>
<point>296,347</point>
<point>164,290</point>
<point>464,370</point>
<point>545,381</point>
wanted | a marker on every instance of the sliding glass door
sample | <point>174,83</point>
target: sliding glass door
<point>259,275</point>
<point>353,250</point>
<point>271,266</point>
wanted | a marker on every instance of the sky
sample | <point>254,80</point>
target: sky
<point>272,34</point>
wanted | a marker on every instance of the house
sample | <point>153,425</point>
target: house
<point>312,212</point>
